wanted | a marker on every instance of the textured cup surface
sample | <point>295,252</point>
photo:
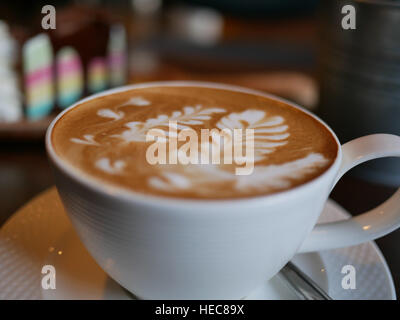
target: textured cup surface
<point>160,248</point>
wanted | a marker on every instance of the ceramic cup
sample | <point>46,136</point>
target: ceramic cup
<point>163,248</point>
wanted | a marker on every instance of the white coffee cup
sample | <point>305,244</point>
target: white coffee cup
<point>165,248</point>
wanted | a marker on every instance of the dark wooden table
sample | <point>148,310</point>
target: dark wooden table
<point>24,172</point>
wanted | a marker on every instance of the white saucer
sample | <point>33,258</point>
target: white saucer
<point>40,234</point>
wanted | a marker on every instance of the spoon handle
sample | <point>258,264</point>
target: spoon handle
<point>303,286</point>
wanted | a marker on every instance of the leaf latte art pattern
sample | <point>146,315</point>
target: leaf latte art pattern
<point>107,113</point>
<point>189,116</point>
<point>265,178</point>
<point>106,165</point>
<point>269,132</point>
<point>87,139</point>
<point>243,146</point>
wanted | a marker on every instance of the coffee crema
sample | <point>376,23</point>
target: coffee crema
<point>106,138</point>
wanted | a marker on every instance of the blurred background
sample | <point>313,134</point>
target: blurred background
<point>294,49</point>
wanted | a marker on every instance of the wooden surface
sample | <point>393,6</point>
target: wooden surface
<point>25,130</point>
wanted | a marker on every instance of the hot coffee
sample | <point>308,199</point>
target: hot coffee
<point>108,138</point>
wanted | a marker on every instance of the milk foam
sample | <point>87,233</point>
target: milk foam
<point>274,137</point>
<point>105,165</point>
<point>136,101</point>
<point>107,113</point>
<point>265,178</point>
<point>87,139</point>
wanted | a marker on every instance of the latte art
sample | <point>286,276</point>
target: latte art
<point>194,142</point>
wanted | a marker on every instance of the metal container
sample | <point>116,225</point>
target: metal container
<point>359,72</point>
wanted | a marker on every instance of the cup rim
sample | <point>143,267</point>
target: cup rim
<point>111,190</point>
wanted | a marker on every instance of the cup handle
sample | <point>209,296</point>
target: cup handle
<point>371,224</point>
